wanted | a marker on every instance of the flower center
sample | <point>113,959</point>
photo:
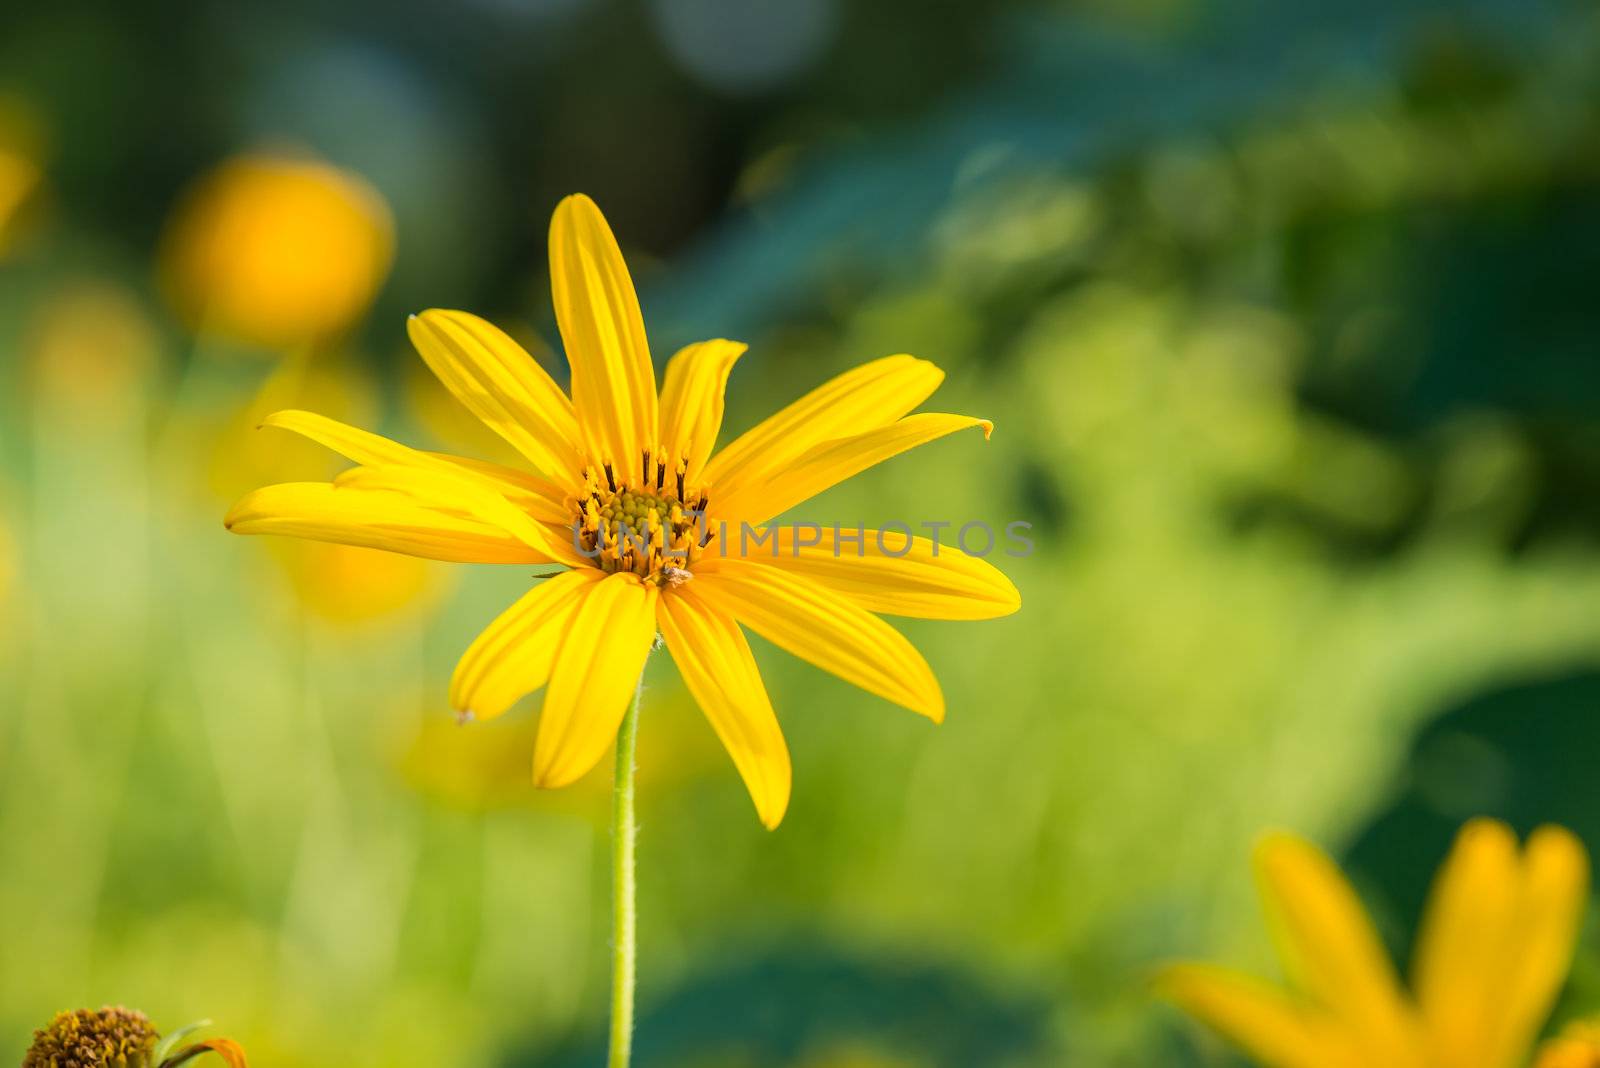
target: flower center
<point>649,525</point>
<point>94,1038</point>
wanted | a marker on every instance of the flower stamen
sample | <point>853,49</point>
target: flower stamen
<point>647,528</point>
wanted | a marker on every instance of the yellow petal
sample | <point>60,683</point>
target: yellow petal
<point>833,462</point>
<point>537,496</point>
<point>322,512</point>
<point>533,494</point>
<point>1470,915</point>
<point>1331,950</point>
<point>863,398</point>
<point>500,383</point>
<point>1552,893</point>
<point>823,628</point>
<point>462,493</point>
<point>1262,1020</point>
<point>513,655</point>
<point>596,669</point>
<point>883,571</point>
<point>362,446</point>
<point>613,382</point>
<point>717,666</point>
<point>692,401</point>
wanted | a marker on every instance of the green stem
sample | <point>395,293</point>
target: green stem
<point>624,951</point>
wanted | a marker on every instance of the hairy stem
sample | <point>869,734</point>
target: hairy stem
<point>624,951</point>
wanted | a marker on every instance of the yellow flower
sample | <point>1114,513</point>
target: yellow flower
<point>616,476</point>
<point>1497,938</point>
<point>1576,1047</point>
<point>93,353</point>
<point>19,177</point>
<point>21,173</point>
<point>277,252</point>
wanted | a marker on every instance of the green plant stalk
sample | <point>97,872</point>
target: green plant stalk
<point>624,948</point>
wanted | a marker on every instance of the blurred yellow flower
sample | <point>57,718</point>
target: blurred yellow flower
<point>349,586</point>
<point>19,176</point>
<point>1576,1047</point>
<point>20,171</point>
<point>277,251</point>
<point>1496,941</point>
<point>92,350</point>
<point>619,478</point>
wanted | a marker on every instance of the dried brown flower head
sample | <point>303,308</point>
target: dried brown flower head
<point>109,1037</point>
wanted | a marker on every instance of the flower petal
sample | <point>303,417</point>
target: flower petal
<point>513,656</point>
<point>500,383</point>
<point>1260,1019</point>
<point>613,381</point>
<point>832,462</point>
<point>1331,950</point>
<point>537,496</point>
<point>361,446</point>
<point>863,398</point>
<point>597,666</point>
<point>1470,915</point>
<point>823,628</point>
<point>885,571</point>
<point>1553,891</point>
<point>716,663</point>
<point>692,400</point>
<point>321,511</point>
<point>533,494</point>
<point>464,493</point>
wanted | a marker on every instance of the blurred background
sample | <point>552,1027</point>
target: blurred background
<point>1288,318</point>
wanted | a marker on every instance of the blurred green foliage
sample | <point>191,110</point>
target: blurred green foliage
<point>1287,323</point>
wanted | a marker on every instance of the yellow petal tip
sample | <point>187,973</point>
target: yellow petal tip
<point>573,204</point>
<point>1276,848</point>
<point>555,776</point>
<point>229,520</point>
<point>770,820</point>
